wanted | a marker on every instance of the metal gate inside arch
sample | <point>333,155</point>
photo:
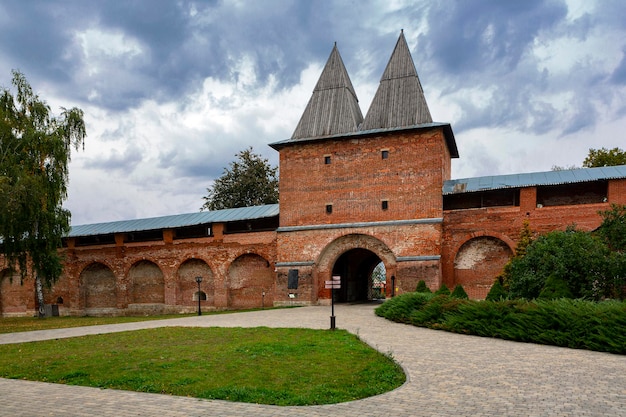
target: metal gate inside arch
<point>362,276</point>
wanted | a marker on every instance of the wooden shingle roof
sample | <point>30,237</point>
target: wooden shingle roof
<point>399,104</point>
<point>333,107</point>
<point>399,100</point>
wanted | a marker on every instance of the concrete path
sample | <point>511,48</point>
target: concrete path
<point>448,375</point>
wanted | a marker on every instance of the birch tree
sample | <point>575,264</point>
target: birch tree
<point>35,149</point>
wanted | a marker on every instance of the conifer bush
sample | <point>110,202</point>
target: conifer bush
<point>459,292</point>
<point>443,290</point>
<point>400,308</point>
<point>422,287</point>
<point>497,292</point>
<point>579,324</point>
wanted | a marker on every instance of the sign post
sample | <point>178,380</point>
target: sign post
<point>333,285</point>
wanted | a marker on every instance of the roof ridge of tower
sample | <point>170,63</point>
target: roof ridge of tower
<point>334,106</point>
<point>399,100</point>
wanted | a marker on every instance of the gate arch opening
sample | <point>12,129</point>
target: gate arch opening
<point>356,269</point>
<point>362,261</point>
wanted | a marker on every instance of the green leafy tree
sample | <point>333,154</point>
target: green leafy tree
<point>555,288</point>
<point>571,256</point>
<point>524,240</point>
<point>613,227</point>
<point>248,181</point>
<point>35,152</point>
<point>604,157</point>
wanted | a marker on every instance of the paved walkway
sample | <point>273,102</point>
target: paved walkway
<point>448,375</point>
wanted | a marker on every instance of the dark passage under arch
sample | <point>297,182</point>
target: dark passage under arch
<point>355,268</point>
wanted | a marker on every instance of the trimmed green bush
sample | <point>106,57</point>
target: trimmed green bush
<point>422,287</point>
<point>459,292</point>
<point>497,292</point>
<point>564,322</point>
<point>443,290</point>
<point>401,307</point>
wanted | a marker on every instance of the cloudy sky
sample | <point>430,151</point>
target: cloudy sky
<point>173,89</point>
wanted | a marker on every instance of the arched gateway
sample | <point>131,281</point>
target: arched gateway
<point>353,258</point>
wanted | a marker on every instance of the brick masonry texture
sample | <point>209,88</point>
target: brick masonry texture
<point>413,236</point>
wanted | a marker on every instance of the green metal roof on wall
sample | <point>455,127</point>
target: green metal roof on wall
<point>177,220</point>
<point>532,179</point>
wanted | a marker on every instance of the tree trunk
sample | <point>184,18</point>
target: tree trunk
<point>40,300</point>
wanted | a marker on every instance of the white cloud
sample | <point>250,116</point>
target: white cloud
<point>171,92</point>
<point>102,49</point>
<point>159,158</point>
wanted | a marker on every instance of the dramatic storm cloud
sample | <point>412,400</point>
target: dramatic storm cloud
<point>172,90</point>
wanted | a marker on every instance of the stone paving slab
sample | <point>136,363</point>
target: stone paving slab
<point>448,375</point>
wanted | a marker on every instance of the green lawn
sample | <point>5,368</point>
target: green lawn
<point>260,365</point>
<point>27,324</point>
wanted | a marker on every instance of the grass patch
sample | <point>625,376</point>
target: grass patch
<point>569,323</point>
<point>27,324</point>
<point>258,365</point>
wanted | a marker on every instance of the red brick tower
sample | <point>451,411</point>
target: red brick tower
<point>356,191</point>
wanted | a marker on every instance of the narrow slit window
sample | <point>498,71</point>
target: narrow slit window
<point>385,204</point>
<point>384,153</point>
<point>329,208</point>
<point>327,159</point>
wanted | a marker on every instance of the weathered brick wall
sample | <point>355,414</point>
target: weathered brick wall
<point>251,282</point>
<point>617,191</point>
<point>477,262</point>
<point>504,224</point>
<point>159,277</point>
<point>358,179</point>
<point>399,246</point>
<point>17,298</point>
<point>243,270</point>
<point>356,182</point>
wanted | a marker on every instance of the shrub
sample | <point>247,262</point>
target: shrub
<point>570,323</point>
<point>401,307</point>
<point>459,292</point>
<point>574,256</point>
<point>422,287</point>
<point>613,227</point>
<point>443,290</point>
<point>430,313</point>
<point>555,288</point>
<point>497,292</point>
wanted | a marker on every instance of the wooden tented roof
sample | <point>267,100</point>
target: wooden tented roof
<point>399,100</point>
<point>399,104</point>
<point>334,107</point>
